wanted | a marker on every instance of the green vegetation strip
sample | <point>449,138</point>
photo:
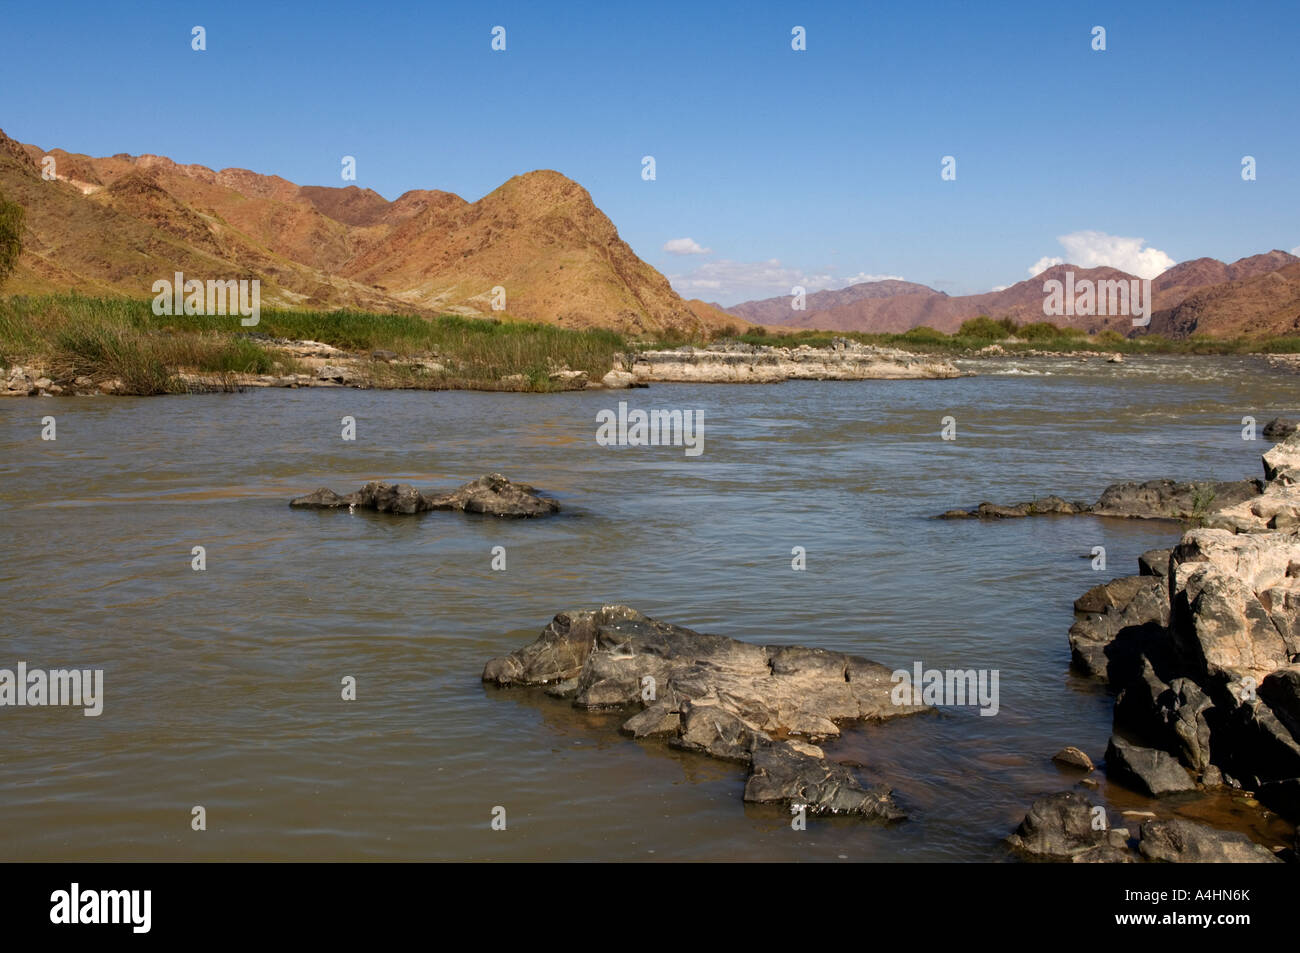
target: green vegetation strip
<point>122,338</point>
<point>980,332</point>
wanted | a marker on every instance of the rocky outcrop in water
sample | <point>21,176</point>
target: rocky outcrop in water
<point>1209,682</point>
<point>757,364</point>
<point>764,706</point>
<point>1202,650</point>
<point>491,495</point>
<point>1279,428</point>
<point>1069,827</point>
<point>1203,663</point>
<point>1154,499</point>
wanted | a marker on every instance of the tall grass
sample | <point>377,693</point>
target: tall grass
<point>122,338</point>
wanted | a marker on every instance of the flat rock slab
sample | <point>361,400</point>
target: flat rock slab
<point>756,363</point>
<point>763,706</point>
<point>491,495</point>
<point>1182,841</point>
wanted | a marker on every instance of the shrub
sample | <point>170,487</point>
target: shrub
<point>924,333</point>
<point>985,328</point>
<point>11,237</point>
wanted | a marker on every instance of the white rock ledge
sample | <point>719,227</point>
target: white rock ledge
<point>753,364</point>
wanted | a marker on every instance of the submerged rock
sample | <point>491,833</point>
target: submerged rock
<point>492,495</point>
<point>1154,499</point>
<point>1046,506</point>
<point>717,696</point>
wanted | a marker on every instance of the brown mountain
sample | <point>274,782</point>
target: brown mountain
<point>1266,303</point>
<point>897,306</point>
<point>117,224</point>
<point>778,310</point>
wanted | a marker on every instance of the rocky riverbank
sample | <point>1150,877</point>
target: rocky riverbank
<point>763,706</point>
<point>759,364</point>
<point>1202,651</point>
<point>313,364</point>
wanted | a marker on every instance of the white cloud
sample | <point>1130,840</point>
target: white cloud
<point>1093,249</point>
<point>1296,250</point>
<point>859,279</point>
<point>999,288</point>
<point>1040,266</point>
<point>685,246</point>
<point>734,281</point>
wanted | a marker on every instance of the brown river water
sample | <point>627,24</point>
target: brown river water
<point>222,687</point>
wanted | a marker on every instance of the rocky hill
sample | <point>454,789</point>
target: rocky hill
<point>117,224</point>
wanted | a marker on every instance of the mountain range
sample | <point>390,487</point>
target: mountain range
<point>1257,295</point>
<point>116,225</point>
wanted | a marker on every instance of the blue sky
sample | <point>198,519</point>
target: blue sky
<point>814,167</point>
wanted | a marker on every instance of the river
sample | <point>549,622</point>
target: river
<point>223,686</point>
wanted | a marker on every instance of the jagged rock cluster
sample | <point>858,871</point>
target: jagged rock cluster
<point>1202,648</point>
<point>491,495</point>
<point>764,706</point>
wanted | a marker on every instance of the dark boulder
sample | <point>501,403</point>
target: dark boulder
<point>1109,644</point>
<point>1256,746</point>
<point>494,495</point>
<point>1155,562</point>
<point>1167,499</point>
<point>1281,692</point>
<point>1064,826</point>
<point>785,773</point>
<point>1116,593</point>
<point>1149,771</point>
<point>1279,428</point>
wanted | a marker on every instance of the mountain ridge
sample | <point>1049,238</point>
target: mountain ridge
<point>894,306</point>
<point>116,224</point>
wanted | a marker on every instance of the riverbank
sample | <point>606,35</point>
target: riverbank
<point>72,345</point>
